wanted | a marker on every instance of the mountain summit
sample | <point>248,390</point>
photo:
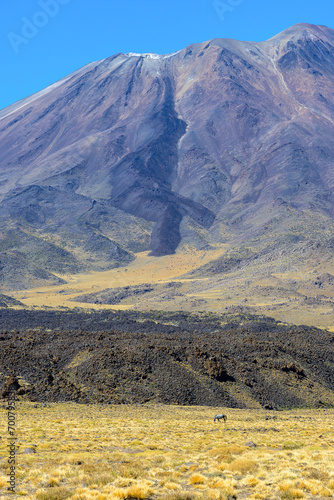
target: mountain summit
<point>223,142</point>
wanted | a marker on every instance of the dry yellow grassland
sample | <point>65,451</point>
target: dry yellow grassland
<point>261,289</point>
<point>145,269</point>
<point>95,452</point>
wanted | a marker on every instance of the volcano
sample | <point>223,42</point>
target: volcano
<point>221,143</point>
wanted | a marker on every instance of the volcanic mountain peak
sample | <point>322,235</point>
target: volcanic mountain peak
<point>149,55</point>
<point>306,40</point>
<point>320,31</point>
<point>301,30</point>
<point>208,145</point>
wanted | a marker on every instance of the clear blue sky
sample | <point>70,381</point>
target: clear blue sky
<point>41,45</point>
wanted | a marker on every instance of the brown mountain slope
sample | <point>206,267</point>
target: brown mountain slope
<point>222,142</point>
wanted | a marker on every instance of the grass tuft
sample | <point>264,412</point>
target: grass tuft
<point>55,494</point>
<point>197,479</point>
<point>242,466</point>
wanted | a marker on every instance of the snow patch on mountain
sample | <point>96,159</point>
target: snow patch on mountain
<point>151,55</point>
<point>147,56</point>
<point>172,55</point>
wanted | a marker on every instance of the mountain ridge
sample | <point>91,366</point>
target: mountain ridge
<point>220,143</point>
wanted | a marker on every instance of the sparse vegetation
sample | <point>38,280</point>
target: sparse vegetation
<point>96,452</point>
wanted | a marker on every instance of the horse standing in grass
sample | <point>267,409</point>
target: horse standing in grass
<point>220,417</point>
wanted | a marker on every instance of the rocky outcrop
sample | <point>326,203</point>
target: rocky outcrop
<point>228,360</point>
